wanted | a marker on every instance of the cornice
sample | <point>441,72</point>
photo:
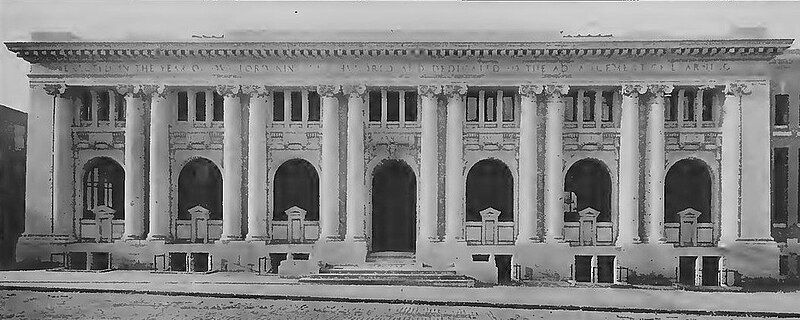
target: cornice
<point>761,49</point>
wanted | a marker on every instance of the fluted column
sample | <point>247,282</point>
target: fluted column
<point>554,180</point>
<point>356,188</point>
<point>134,161</point>
<point>528,163</point>
<point>429,163</point>
<point>629,165</point>
<point>257,163</point>
<point>62,162</point>
<point>656,160</point>
<point>231,163</point>
<point>329,163</point>
<point>731,160</point>
<point>159,165</point>
<point>454,165</point>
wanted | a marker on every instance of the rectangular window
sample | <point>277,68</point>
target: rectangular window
<point>182,106</point>
<point>708,105</point>
<point>277,106</point>
<point>688,105</point>
<point>375,106</point>
<point>570,113</point>
<point>410,98</point>
<point>472,106</point>
<point>119,106</point>
<point>780,183</point>
<point>607,113</point>
<point>313,106</point>
<point>103,106</point>
<point>200,106</point>
<point>218,107</point>
<point>783,265</point>
<point>671,108</point>
<point>297,106</point>
<point>392,106</point>
<point>781,109</point>
<point>86,106</point>
<point>490,109</point>
<point>588,106</point>
<point>509,105</point>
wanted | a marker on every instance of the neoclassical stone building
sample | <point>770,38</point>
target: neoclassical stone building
<point>569,159</point>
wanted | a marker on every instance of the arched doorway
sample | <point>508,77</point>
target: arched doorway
<point>394,207</point>
<point>588,184</point>
<point>687,186</point>
<point>200,184</point>
<point>103,185</point>
<point>490,185</point>
<point>296,185</point>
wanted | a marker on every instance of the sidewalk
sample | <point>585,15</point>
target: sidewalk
<point>251,286</point>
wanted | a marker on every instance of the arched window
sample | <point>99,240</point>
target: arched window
<point>103,185</point>
<point>490,184</point>
<point>687,185</point>
<point>200,184</point>
<point>296,184</point>
<point>588,180</point>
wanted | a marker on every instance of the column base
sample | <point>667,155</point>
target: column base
<point>230,237</point>
<point>356,239</point>
<point>129,237</point>
<point>329,238</point>
<point>256,238</point>
<point>157,237</point>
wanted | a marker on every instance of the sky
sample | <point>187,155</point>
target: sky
<point>118,20</point>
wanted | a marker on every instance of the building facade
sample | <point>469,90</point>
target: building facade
<point>588,160</point>
<point>12,181</point>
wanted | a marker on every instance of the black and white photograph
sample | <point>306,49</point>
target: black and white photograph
<point>193,159</point>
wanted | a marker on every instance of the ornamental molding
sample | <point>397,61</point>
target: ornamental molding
<point>556,90</point>
<point>227,90</point>
<point>633,90</point>
<point>256,90</point>
<point>660,89</point>
<point>57,90</point>
<point>530,90</point>
<point>454,90</point>
<point>120,51</point>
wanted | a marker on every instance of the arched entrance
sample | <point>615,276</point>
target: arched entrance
<point>687,186</point>
<point>589,185</point>
<point>394,207</point>
<point>200,184</point>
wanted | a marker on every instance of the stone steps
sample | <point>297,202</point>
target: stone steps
<point>389,274</point>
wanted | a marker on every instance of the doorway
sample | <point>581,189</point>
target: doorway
<point>394,205</point>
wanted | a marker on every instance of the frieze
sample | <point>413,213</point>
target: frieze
<point>83,140</point>
<point>293,140</point>
<point>393,144</point>
<point>494,141</point>
<point>692,140</point>
<point>591,141</point>
<point>196,140</point>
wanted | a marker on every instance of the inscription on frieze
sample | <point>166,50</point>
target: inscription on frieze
<point>461,68</point>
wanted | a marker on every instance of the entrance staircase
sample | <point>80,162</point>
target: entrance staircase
<point>389,268</point>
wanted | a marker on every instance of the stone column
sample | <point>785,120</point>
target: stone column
<point>629,165</point>
<point>134,161</point>
<point>38,182</point>
<point>554,176</point>
<point>429,163</point>
<point>257,163</point>
<point>62,162</point>
<point>356,188</point>
<point>160,112</point>
<point>731,161</point>
<point>329,163</point>
<point>231,163</point>
<point>454,165</point>
<point>656,161</point>
<point>528,163</point>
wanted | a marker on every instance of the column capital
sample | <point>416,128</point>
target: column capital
<point>429,90</point>
<point>152,90</point>
<point>256,91</point>
<point>531,90</point>
<point>737,89</point>
<point>328,90</point>
<point>660,89</point>
<point>128,89</point>
<point>454,90</point>
<point>633,90</point>
<point>354,90</point>
<point>55,89</point>
<point>226,90</point>
<point>556,90</point>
